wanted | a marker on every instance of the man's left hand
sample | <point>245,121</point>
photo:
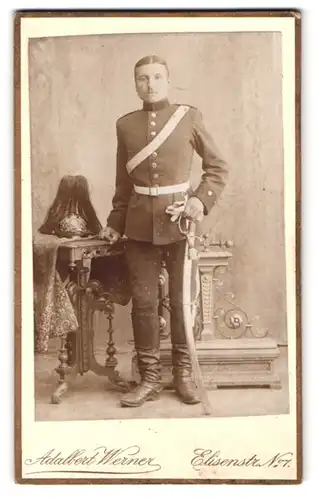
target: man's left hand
<point>194,209</point>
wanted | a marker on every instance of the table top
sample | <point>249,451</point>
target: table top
<point>77,249</point>
<point>90,244</point>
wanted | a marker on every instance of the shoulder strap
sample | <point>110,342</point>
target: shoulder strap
<point>158,140</point>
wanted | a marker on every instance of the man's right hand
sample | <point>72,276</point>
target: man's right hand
<point>107,233</point>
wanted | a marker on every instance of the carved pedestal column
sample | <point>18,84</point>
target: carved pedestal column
<point>210,260</point>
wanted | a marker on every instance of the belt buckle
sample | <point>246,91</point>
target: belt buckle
<point>154,190</point>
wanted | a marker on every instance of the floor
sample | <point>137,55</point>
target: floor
<point>92,397</point>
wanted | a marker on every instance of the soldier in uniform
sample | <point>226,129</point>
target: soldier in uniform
<point>155,146</point>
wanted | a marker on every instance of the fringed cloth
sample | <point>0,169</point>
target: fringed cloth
<point>54,314</point>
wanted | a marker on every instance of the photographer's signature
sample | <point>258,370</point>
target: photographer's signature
<point>101,460</point>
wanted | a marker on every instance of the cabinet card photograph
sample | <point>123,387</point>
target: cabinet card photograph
<point>157,158</point>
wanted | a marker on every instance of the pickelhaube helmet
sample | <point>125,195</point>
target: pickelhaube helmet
<point>73,225</point>
<point>71,213</point>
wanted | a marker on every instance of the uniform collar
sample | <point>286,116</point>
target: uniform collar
<point>155,106</point>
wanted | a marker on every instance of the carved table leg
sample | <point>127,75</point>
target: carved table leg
<point>111,361</point>
<point>102,302</point>
<point>71,348</point>
<point>64,370</point>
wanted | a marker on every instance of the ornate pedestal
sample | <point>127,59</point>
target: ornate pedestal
<point>231,350</point>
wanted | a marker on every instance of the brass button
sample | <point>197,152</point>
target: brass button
<point>209,193</point>
<point>153,114</point>
<point>153,133</point>
<point>155,176</point>
<point>152,124</point>
<point>154,154</point>
<point>154,165</point>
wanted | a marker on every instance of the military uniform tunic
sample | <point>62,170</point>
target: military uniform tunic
<point>141,217</point>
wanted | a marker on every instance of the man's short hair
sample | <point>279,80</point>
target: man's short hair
<point>150,60</point>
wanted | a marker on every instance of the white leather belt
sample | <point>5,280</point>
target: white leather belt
<point>159,190</point>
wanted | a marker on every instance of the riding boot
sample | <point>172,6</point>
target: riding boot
<point>147,346</point>
<point>182,375</point>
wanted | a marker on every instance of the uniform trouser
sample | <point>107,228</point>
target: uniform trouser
<point>144,263</point>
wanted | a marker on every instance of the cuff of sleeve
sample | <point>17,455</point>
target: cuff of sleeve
<point>207,197</point>
<point>116,222</point>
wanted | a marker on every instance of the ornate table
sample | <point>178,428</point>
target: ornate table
<point>88,295</point>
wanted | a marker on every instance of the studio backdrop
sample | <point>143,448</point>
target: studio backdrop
<point>80,86</point>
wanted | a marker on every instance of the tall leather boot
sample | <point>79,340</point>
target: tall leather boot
<point>182,375</point>
<point>147,346</point>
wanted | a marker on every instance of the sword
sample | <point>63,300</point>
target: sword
<point>191,254</point>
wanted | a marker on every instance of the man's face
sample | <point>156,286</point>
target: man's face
<point>152,82</point>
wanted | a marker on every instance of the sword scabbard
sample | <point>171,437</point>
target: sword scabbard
<point>190,340</point>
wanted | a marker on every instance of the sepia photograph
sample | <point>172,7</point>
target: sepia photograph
<point>158,215</point>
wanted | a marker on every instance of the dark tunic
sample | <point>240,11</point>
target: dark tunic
<point>141,217</point>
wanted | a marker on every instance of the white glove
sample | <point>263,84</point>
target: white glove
<point>194,209</point>
<point>109,234</point>
<point>175,210</point>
